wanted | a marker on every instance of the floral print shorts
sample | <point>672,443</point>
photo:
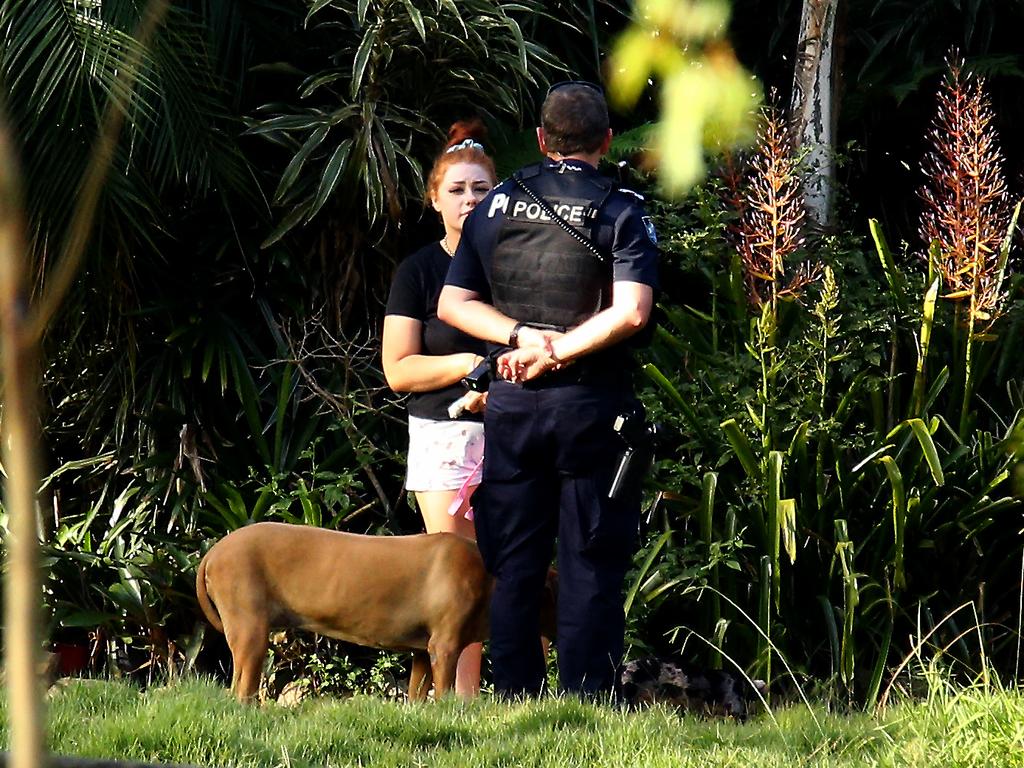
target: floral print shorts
<point>444,454</point>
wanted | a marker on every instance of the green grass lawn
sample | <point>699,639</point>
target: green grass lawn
<point>198,723</point>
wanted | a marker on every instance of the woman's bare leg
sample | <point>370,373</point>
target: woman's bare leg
<point>434,508</point>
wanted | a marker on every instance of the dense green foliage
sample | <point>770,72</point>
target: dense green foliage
<point>894,519</point>
<point>843,492</point>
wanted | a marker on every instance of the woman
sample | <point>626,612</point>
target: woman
<point>427,358</point>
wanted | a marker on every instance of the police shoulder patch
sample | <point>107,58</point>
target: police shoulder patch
<point>649,228</point>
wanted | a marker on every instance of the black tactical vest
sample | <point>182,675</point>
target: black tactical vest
<point>540,273</point>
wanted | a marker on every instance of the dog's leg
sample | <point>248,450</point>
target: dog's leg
<point>248,644</point>
<point>420,677</point>
<point>444,659</point>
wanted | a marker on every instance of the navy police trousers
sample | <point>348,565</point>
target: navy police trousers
<point>549,460</point>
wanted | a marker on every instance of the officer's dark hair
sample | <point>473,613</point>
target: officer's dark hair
<point>465,144</point>
<point>574,117</point>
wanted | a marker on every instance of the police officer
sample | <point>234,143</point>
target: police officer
<point>558,266</point>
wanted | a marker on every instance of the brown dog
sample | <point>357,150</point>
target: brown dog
<point>427,593</point>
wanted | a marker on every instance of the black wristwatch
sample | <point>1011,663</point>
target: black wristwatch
<point>513,338</point>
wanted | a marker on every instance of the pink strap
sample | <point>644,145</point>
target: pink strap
<point>472,479</point>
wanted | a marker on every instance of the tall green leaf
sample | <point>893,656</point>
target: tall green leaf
<point>742,448</point>
<point>927,319</point>
<point>893,276</point>
<point>899,518</point>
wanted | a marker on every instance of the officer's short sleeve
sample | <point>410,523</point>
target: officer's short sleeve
<point>467,270</point>
<point>635,247</point>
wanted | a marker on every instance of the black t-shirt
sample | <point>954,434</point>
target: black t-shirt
<point>414,293</point>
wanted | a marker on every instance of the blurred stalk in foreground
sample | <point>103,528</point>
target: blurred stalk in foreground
<point>19,369</point>
<point>21,329</point>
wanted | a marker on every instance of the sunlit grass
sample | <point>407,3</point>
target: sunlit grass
<point>198,723</point>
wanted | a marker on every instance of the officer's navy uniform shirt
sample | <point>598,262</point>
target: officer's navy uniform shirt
<point>414,292</point>
<point>551,451</point>
<point>622,230</point>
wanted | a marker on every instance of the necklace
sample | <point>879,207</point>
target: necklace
<point>444,245</point>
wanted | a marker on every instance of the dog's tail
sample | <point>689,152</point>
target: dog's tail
<point>205,603</point>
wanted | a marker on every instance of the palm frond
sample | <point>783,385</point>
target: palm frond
<point>397,75</point>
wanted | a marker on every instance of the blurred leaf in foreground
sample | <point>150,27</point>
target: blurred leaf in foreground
<point>708,100</point>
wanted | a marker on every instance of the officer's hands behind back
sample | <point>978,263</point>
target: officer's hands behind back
<point>533,358</point>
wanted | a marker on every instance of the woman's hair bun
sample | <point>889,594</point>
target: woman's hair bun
<point>461,130</point>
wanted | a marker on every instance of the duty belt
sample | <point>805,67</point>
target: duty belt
<point>611,370</point>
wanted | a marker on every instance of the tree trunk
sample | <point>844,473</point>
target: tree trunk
<point>814,105</point>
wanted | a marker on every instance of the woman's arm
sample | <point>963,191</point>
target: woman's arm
<point>407,369</point>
